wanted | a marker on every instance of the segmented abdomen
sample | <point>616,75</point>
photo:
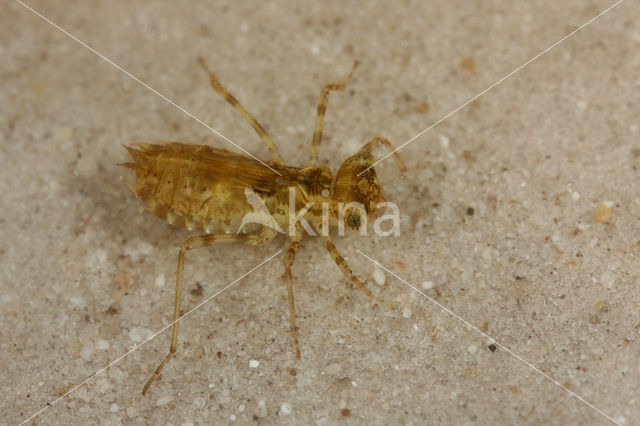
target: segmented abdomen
<point>179,188</point>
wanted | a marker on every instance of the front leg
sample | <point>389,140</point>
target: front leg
<point>344,267</point>
<point>376,142</point>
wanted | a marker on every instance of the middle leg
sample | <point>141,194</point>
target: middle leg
<point>322,108</point>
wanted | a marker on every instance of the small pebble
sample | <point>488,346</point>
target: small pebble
<point>101,344</point>
<point>142,249</point>
<point>253,363</point>
<point>132,412</point>
<point>86,352</point>
<point>262,408</point>
<point>427,285</point>
<point>199,402</point>
<point>160,280</point>
<point>164,400</point>
<point>378,276</point>
<point>241,408</point>
<point>232,417</point>
<point>116,373</point>
<point>472,349</point>
<point>608,279</point>
<point>444,141</point>
<point>603,212</point>
<point>78,301</point>
<point>103,385</point>
<point>114,408</point>
<point>406,312</point>
<point>285,409</point>
<point>333,369</point>
<point>139,334</point>
<point>582,226</point>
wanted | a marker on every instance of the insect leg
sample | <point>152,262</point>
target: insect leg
<point>218,87</point>
<point>190,244</point>
<point>344,267</point>
<point>288,261</point>
<point>322,107</point>
<point>376,142</point>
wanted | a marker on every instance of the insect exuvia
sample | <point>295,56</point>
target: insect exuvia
<point>204,189</point>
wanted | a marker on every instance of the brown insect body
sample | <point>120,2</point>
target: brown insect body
<point>199,188</point>
<point>204,189</point>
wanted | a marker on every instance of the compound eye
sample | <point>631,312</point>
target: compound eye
<point>353,220</point>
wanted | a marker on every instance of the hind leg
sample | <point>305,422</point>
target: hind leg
<point>288,261</point>
<point>218,87</point>
<point>190,244</point>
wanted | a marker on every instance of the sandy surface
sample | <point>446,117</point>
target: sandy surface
<point>525,223</point>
